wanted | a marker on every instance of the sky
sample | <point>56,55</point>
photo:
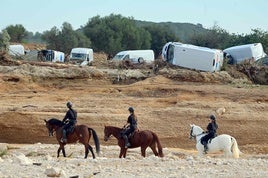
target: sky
<point>234,16</point>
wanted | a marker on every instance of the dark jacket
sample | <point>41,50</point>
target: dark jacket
<point>70,117</point>
<point>132,121</point>
<point>212,128</point>
<point>212,132</point>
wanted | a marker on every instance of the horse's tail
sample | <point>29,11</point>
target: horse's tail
<point>96,140</point>
<point>234,148</point>
<point>160,149</point>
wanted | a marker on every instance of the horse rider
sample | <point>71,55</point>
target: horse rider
<point>69,120</point>
<point>212,132</point>
<point>130,126</point>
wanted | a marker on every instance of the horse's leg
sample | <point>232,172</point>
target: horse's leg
<point>227,153</point>
<point>201,153</point>
<point>63,151</point>
<point>61,148</point>
<point>143,150</point>
<point>153,147</point>
<point>58,152</point>
<point>86,150</point>
<point>91,150</point>
<point>125,153</point>
<point>122,151</point>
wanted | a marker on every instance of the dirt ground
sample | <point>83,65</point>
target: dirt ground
<point>164,105</point>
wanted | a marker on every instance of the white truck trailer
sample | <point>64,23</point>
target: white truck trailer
<point>238,54</point>
<point>193,57</point>
<point>136,56</point>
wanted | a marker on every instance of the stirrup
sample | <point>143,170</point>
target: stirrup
<point>205,150</point>
<point>127,145</point>
<point>63,140</point>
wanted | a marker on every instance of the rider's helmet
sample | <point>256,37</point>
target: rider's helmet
<point>130,109</point>
<point>212,117</point>
<point>69,104</point>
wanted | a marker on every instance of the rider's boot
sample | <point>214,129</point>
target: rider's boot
<point>205,148</point>
<point>64,138</point>
<point>127,144</point>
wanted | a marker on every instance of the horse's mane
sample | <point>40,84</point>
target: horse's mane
<point>115,127</point>
<point>54,121</point>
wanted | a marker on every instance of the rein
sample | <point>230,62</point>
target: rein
<point>191,134</point>
<point>199,134</point>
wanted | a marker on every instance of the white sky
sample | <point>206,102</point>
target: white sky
<point>235,16</point>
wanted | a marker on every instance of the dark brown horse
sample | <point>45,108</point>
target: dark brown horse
<point>143,139</point>
<point>81,133</point>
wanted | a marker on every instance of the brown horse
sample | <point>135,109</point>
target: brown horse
<point>143,139</point>
<point>81,133</point>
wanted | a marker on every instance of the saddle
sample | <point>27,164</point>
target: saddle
<point>129,135</point>
<point>70,130</point>
<point>209,140</point>
<point>133,133</point>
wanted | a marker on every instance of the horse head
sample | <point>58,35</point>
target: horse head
<point>52,125</point>
<point>49,128</point>
<point>109,131</point>
<point>195,131</point>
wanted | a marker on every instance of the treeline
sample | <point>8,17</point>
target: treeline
<point>115,33</point>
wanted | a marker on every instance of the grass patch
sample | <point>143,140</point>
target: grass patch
<point>3,153</point>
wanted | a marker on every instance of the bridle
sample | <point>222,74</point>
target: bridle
<point>191,133</point>
<point>193,136</point>
<point>106,138</point>
<point>51,130</point>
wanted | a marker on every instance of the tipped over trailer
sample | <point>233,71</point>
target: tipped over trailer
<point>238,54</point>
<point>51,56</point>
<point>193,57</point>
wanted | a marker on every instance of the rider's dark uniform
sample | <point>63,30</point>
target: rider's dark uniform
<point>70,119</point>
<point>211,130</point>
<point>132,121</point>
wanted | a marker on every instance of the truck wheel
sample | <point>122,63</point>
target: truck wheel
<point>141,60</point>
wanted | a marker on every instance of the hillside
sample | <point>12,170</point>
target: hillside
<point>166,101</point>
<point>182,30</point>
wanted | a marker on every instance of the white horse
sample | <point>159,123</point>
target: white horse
<point>224,142</point>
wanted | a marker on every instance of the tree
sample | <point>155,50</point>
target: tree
<point>116,33</point>
<point>16,33</point>
<point>214,37</point>
<point>33,38</point>
<point>65,39</point>
<point>160,36</point>
<point>256,36</point>
<point>52,38</point>
<point>4,40</point>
